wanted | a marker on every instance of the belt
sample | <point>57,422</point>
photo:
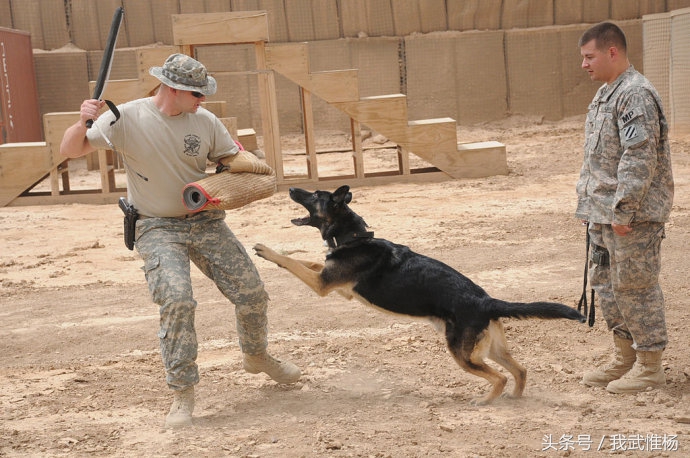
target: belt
<point>187,216</point>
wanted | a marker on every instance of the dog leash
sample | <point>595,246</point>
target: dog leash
<point>582,305</point>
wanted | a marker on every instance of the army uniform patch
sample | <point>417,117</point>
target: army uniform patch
<point>632,131</point>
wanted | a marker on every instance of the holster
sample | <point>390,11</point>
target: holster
<point>599,255</point>
<point>130,221</point>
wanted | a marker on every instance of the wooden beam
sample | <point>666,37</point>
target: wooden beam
<point>220,28</point>
<point>269,112</point>
<point>308,118</point>
<point>335,86</point>
<point>416,176</point>
<point>15,175</point>
<point>357,156</point>
<point>386,114</point>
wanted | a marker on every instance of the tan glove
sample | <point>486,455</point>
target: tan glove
<point>244,161</point>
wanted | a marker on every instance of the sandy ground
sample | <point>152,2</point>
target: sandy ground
<point>80,369</point>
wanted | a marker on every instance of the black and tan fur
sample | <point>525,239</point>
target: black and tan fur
<point>393,277</point>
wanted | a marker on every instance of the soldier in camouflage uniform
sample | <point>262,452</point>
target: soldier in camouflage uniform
<point>166,141</point>
<point>625,193</point>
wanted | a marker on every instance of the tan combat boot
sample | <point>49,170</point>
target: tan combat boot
<point>180,415</point>
<point>625,359</point>
<point>647,373</point>
<point>280,371</point>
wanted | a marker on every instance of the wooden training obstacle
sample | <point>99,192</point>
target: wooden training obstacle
<point>433,140</point>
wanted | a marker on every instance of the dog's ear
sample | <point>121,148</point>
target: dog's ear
<point>342,195</point>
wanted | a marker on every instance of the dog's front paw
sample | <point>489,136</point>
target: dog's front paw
<point>263,251</point>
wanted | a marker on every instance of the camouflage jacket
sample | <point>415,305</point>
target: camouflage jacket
<point>626,174</point>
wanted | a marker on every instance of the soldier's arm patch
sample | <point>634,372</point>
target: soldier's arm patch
<point>632,128</point>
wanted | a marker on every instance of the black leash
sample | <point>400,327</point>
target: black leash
<point>582,305</point>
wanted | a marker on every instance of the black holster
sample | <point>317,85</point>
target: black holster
<point>130,221</point>
<point>599,255</point>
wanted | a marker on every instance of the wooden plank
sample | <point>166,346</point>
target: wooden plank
<point>288,59</point>
<point>54,127</point>
<point>121,91</point>
<point>269,112</point>
<point>152,57</point>
<point>73,197</point>
<point>357,156</point>
<point>404,161</point>
<point>15,176</point>
<point>104,169</point>
<point>478,160</point>
<point>217,28</point>
<point>385,114</point>
<point>310,144</point>
<point>218,108</point>
<point>428,138</point>
<point>335,86</point>
<point>421,176</point>
<point>248,139</point>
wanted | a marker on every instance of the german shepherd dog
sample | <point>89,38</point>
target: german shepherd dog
<point>394,278</point>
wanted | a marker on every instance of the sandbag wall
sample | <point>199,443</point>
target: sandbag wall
<point>472,60</point>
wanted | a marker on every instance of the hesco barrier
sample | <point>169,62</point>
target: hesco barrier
<point>473,60</point>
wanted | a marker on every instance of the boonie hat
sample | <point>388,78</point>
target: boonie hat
<point>185,73</point>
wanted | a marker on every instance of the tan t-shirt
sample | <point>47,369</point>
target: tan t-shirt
<point>162,153</point>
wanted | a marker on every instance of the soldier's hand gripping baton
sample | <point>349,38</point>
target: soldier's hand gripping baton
<point>107,62</point>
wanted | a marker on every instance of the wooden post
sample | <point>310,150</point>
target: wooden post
<point>308,117</point>
<point>357,156</point>
<point>269,111</point>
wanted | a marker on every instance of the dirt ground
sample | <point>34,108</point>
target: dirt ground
<point>80,369</point>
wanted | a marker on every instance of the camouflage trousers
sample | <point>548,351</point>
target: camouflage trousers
<point>167,245</point>
<point>628,287</point>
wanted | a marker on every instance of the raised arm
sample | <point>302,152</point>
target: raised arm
<point>74,142</point>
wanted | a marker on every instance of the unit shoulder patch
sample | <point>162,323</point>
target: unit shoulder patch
<point>632,128</point>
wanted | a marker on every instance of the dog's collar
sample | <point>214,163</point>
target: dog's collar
<point>348,238</point>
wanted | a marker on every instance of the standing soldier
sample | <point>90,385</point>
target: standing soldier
<point>166,141</point>
<point>625,193</point>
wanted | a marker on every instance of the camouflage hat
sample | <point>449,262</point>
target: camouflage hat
<point>182,72</point>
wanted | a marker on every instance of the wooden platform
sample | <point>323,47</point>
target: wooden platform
<point>433,140</point>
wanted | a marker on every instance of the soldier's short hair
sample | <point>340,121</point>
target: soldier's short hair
<point>606,35</point>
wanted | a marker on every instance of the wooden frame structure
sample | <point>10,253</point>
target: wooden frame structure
<point>433,140</point>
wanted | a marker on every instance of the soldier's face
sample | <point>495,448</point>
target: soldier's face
<point>188,102</point>
<point>597,63</point>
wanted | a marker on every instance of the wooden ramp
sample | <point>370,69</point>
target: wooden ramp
<point>24,165</point>
<point>434,140</point>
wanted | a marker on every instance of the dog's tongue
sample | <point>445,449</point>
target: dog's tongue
<point>300,221</point>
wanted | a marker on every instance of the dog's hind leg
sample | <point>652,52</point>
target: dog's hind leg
<point>499,353</point>
<point>469,350</point>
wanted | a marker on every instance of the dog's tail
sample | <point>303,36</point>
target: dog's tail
<point>497,308</point>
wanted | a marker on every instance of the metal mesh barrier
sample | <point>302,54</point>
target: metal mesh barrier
<point>667,63</point>
<point>680,70</point>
